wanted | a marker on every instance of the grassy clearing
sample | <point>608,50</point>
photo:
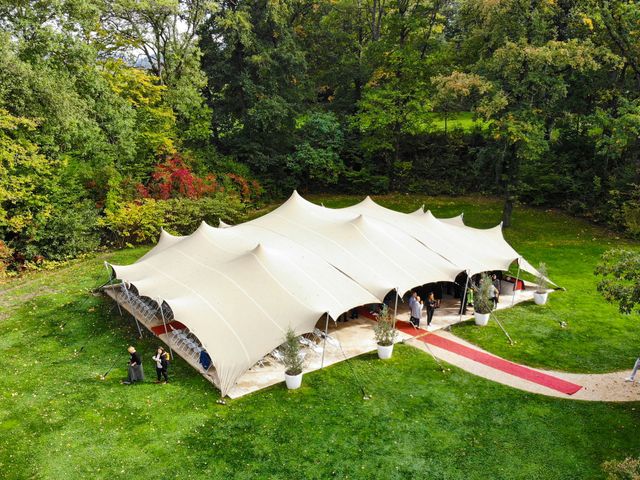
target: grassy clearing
<point>58,420</point>
<point>456,120</point>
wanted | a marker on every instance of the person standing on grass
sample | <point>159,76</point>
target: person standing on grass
<point>431,307</point>
<point>161,365</point>
<point>416,311</point>
<point>636,367</point>
<point>136,372</point>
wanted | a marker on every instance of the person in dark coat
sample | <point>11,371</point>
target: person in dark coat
<point>162,364</point>
<point>431,305</point>
<point>136,372</point>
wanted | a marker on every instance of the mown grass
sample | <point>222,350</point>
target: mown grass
<point>455,121</point>
<point>59,420</point>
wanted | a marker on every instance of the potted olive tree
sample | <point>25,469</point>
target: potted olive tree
<point>384,333</point>
<point>541,294</point>
<point>482,304</point>
<point>292,360</point>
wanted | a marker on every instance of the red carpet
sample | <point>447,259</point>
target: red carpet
<point>175,325</point>
<point>503,365</point>
<point>401,325</point>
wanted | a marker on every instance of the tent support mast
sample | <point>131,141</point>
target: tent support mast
<point>164,324</point>
<point>326,334</point>
<point>515,286</point>
<point>395,310</point>
<point>136,320</point>
<point>464,296</point>
<point>110,272</point>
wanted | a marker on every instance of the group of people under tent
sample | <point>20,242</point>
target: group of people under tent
<point>424,300</point>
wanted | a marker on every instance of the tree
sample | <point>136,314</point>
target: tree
<point>620,279</point>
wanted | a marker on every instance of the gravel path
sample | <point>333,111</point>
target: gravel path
<point>606,387</point>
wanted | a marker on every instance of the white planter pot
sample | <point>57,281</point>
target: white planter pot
<point>385,352</point>
<point>293,381</point>
<point>481,318</point>
<point>540,298</point>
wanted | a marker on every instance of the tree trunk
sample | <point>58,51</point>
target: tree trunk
<point>507,210</point>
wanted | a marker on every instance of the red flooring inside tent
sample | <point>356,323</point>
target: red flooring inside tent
<point>174,325</point>
<point>498,363</point>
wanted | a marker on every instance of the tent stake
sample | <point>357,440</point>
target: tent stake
<point>326,334</point>
<point>463,307</point>
<point>164,323</point>
<point>515,286</point>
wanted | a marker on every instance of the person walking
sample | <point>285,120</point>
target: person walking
<point>135,372</point>
<point>496,290</point>
<point>161,365</point>
<point>636,367</point>
<point>431,307</point>
<point>416,311</point>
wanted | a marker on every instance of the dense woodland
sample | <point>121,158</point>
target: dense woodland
<point>119,117</point>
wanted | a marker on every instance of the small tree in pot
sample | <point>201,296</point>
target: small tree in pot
<point>384,333</point>
<point>482,304</point>
<point>541,294</point>
<point>292,360</point>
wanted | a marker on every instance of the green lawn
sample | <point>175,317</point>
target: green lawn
<point>58,420</point>
<point>455,120</point>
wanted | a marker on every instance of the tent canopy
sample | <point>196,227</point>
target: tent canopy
<point>238,288</point>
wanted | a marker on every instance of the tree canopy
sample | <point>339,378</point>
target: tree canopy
<point>537,101</point>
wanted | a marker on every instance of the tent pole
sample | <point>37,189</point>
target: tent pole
<point>513,297</point>
<point>326,334</point>
<point>464,297</point>
<point>110,272</point>
<point>164,323</point>
<point>395,310</point>
<point>136,320</point>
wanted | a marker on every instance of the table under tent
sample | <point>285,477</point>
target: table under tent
<point>223,298</point>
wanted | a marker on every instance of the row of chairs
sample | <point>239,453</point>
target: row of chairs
<point>186,341</point>
<point>315,344</point>
<point>147,310</point>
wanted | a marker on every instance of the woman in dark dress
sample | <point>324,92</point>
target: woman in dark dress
<point>136,372</point>
<point>431,307</point>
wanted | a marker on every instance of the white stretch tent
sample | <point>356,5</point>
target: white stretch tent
<point>238,288</point>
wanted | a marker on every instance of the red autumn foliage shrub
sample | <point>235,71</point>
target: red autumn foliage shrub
<point>173,178</point>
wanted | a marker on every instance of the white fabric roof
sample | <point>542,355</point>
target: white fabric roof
<point>238,288</point>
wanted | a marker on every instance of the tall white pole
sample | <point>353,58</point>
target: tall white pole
<point>326,334</point>
<point>464,296</point>
<point>515,286</point>
<point>164,323</point>
<point>395,310</point>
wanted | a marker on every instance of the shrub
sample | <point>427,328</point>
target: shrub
<point>482,295</point>
<point>541,278</point>
<point>70,231</point>
<point>140,222</point>
<point>182,216</point>
<point>291,353</point>
<point>6,256</point>
<point>135,222</point>
<point>627,469</point>
<point>383,330</point>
